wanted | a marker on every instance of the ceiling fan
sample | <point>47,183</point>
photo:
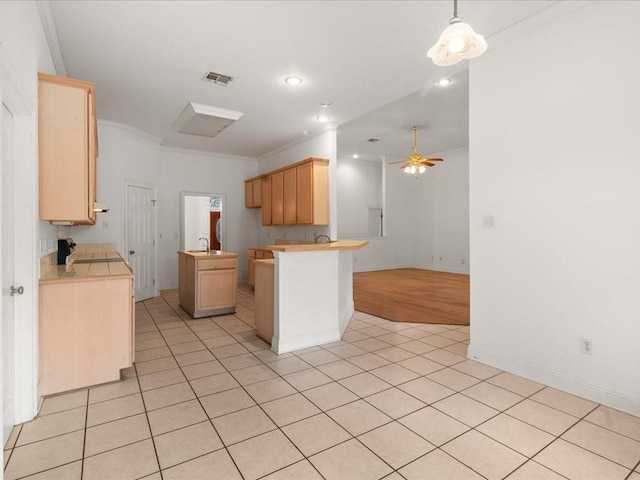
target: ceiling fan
<point>416,163</point>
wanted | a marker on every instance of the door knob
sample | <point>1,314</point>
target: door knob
<point>14,290</point>
<point>131,252</point>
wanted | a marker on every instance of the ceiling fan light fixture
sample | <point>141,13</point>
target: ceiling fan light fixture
<point>457,42</point>
<point>416,163</point>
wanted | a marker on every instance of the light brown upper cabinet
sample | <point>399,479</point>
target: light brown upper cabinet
<point>312,192</point>
<point>297,194</point>
<point>266,200</point>
<point>253,193</point>
<point>277,198</point>
<point>68,147</point>
<point>289,197</point>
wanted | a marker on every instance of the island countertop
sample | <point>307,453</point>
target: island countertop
<point>319,247</point>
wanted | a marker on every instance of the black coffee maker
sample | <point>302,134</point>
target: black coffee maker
<point>65,247</point>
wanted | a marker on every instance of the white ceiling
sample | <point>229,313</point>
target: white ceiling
<point>147,59</point>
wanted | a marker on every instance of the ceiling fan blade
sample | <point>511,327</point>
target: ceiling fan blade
<point>434,159</point>
<point>393,163</point>
<point>428,164</point>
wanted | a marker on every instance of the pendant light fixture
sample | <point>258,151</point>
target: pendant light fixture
<point>457,42</point>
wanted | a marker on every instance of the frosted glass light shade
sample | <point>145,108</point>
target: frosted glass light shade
<point>457,42</point>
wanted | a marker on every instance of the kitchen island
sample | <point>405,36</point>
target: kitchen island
<point>207,282</point>
<point>312,293</point>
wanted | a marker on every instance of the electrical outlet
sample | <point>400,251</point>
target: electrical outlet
<point>105,225</point>
<point>463,261</point>
<point>586,346</point>
<point>488,221</point>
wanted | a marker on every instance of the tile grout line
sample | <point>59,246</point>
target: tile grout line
<point>144,405</point>
<point>259,406</point>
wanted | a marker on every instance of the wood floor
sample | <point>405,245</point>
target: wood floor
<point>413,295</point>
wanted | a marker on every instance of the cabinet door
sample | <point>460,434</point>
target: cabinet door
<point>216,289</point>
<point>256,187</point>
<point>277,198</point>
<point>266,200</point>
<point>93,153</point>
<point>289,197</point>
<point>252,271</point>
<point>64,145</point>
<point>248,194</point>
<point>304,193</point>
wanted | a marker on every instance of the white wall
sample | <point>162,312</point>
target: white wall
<point>442,235</point>
<point>554,157</point>
<point>426,218</point>
<point>359,186</point>
<point>191,171</point>
<point>125,153</point>
<point>196,222</point>
<point>24,52</point>
<point>129,154</point>
<point>321,145</point>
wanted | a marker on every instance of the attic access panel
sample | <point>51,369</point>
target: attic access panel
<point>204,120</point>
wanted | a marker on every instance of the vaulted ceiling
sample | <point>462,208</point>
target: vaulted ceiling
<point>148,58</point>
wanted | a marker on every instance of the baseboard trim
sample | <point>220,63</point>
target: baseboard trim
<point>286,345</point>
<point>558,380</point>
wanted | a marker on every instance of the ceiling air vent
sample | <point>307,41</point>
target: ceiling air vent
<point>218,78</point>
<point>203,120</point>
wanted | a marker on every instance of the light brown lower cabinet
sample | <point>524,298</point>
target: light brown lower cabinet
<point>256,253</point>
<point>208,283</point>
<point>263,310</point>
<point>86,332</point>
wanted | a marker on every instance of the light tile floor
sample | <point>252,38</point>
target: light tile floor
<point>207,399</point>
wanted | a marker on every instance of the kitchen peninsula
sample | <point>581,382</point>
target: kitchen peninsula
<point>86,321</point>
<point>312,293</point>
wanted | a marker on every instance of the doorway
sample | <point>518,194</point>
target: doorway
<point>214,230</point>
<point>140,237</point>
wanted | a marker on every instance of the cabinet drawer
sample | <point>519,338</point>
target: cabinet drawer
<point>215,264</point>
<point>252,253</point>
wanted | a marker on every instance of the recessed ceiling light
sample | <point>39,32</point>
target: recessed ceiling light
<point>293,81</point>
<point>322,118</point>
<point>443,82</point>
<point>326,104</point>
<point>355,155</point>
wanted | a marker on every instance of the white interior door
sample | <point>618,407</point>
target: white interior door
<point>141,243</point>
<point>8,351</point>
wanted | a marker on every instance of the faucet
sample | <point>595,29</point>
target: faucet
<point>320,236</point>
<point>206,240</point>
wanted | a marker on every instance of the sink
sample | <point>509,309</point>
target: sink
<point>204,252</point>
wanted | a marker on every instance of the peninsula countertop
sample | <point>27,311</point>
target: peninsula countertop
<point>203,254</point>
<point>88,266</point>
<point>319,247</point>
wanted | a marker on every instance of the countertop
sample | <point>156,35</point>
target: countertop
<point>310,247</point>
<point>100,269</point>
<point>214,254</point>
